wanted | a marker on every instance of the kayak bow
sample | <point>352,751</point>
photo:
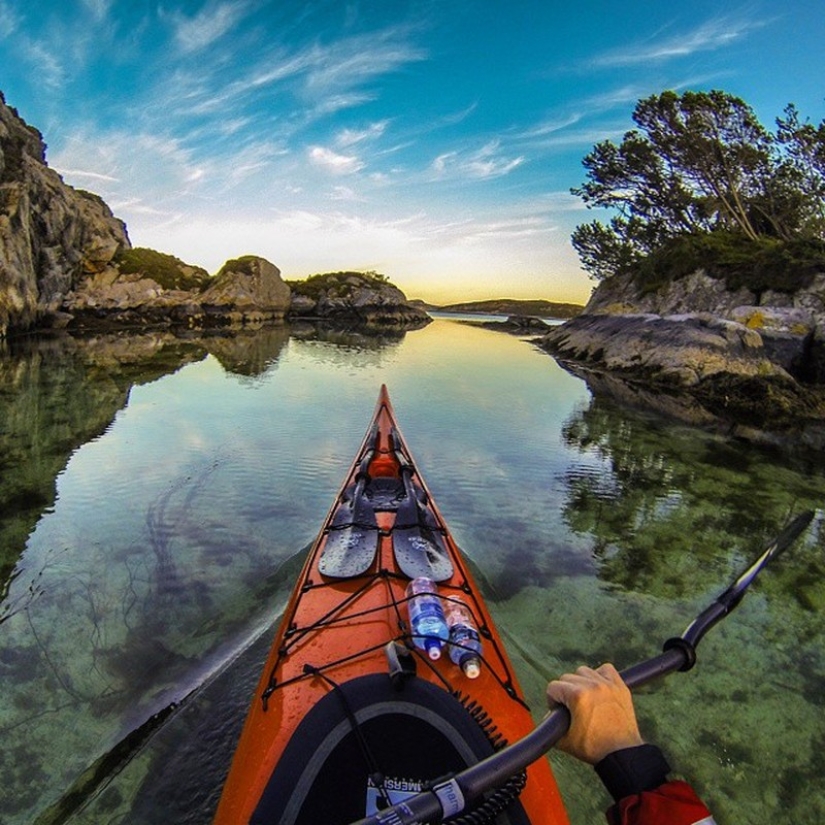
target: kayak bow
<point>350,715</point>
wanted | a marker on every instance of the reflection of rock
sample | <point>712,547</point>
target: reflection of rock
<point>49,407</point>
<point>655,486</point>
<point>248,352</point>
<point>755,409</point>
<point>57,394</point>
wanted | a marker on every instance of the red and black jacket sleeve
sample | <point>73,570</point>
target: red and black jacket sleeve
<point>637,779</point>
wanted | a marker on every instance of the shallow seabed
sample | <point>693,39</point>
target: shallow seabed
<point>157,493</point>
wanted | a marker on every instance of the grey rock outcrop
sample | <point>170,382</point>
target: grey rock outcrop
<point>66,261</point>
<point>247,290</point>
<point>355,297</point>
<point>694,327</point>
<point>680,350</point>
<point>51,235</point>
<point>752,362</point>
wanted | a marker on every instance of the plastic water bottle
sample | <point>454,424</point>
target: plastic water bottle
<point>464,642</point>
<point>427,623</point>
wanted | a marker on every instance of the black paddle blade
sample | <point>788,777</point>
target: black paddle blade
<point>348,552</point>
<point>417,543</point>
<point>352,540</point>
<point>421,552</point>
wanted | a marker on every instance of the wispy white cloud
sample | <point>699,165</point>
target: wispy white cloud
<point>99,9</point>
<point>351,137</point>
<point>334,162</point>
<point>352,62</point>
<point>46,63</point>
<point>214,21</point>
<point>549,126</point>
<point>9,20</point>
<point>86,174</point>
<point>718,33</point>
<point>326,77</point>
<point>486,162</point>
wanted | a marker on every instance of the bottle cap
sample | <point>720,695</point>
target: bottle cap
<point>433,649</point>
<point>472,669</point>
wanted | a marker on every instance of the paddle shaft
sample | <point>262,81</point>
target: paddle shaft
<point>464,790</point>
<point>470,785</point>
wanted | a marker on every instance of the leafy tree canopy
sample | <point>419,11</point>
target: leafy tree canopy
<point>701,163</point>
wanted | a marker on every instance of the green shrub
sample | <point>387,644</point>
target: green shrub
<point>331,282</point>
<point>758,265</point>
<point>242,265</point>
<point>167,270</point>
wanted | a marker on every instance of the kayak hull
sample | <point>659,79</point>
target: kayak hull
<point>349,711</point>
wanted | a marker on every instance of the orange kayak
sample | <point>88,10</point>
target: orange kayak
<point>352,713</point>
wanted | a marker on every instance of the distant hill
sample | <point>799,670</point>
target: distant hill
<point>510,306</point>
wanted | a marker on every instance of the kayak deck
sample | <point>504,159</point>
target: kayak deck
<point>348,711</point>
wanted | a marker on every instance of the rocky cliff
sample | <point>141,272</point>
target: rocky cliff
<point>66,261</point>
<point>51,235</point>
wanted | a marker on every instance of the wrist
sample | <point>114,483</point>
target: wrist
<point>633,770</point>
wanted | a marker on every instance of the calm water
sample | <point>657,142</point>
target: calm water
<point>156,495</point>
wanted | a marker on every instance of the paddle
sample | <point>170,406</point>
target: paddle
<point>453,795</point>
<point>352,535</point>
<point>416,542</point>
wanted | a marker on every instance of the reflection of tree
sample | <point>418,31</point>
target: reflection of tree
<point>665,504</point>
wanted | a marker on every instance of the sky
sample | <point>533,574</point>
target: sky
<point>434,142</point>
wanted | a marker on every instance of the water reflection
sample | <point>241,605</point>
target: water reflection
<point>56,395</point>
<point>155,498</point>
<point>250,353</point>
<point>665,505</point>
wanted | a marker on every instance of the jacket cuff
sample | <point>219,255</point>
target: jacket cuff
<point>633,770</point>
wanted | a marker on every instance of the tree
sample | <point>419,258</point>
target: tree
<point>700,162</point>
<point>804,166</point>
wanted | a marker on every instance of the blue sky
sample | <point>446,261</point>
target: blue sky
<point>435,142</point>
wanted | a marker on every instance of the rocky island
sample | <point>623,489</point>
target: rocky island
<point>66,261</point>
<point>711,266</point>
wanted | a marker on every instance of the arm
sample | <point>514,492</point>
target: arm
<point>604,733</point>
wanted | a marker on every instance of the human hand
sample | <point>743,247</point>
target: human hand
<point>601,709</point>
